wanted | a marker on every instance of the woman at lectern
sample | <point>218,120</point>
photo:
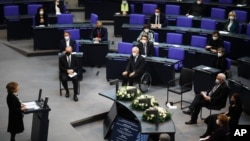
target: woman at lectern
<point>41,17</point>
<point>16,108</point>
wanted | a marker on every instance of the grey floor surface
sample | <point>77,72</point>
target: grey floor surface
<point>33,73</point>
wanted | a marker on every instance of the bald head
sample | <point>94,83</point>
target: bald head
<point>98,24</point>
<point>221,77</point>
<point>164,137</point>
<point>135,50</point>
<point>68,49</point>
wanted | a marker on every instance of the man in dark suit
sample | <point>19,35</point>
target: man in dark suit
<point>214,98</point>
<point>145,46</point>
<point>134,68</point>
<point>157,20</point>
<point>67,42</point>
<point>99,33</point>
<point>197,9</point>
<point>68,66</point>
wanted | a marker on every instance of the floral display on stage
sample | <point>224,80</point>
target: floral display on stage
<point>163,115</point>
<point>138,105</point>
<point>128,93</point>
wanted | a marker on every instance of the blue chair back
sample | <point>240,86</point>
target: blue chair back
<point>74,34</point>
<point>132,8</point>
<point>218,13</point>
<point>11,10</point>
<point>156,51</point>
<point>93,18</point>
<point>198,41</point>
<point>184,21</point>
<point>209,24</point>
<point>225,1</point>
<point>172,9</point>
<point>241,15</point>
<point>148,8</point>
<point>248,29</point>
<point>32,8</point>
<point>137,19</point>
<point>156,36</point>
<point>124,47</point>
<point>229,63</point>
<point>174,38</point>
<point>65,19</point>
<point>227,46</point>
<point>177,54</point>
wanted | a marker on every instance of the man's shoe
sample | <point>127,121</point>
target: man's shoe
<point>75,98</point>
<point>188,112</point>
<point>191,122</point>
<point>67,95</point>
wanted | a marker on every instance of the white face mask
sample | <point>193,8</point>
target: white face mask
<point>198,2</point>
<point>157,14</point>
<point>143,41</point>
<point>215,38</point>
<point>146,30</point>
<point>217,81</point>
<point>219,54</point>
<point>66,38</point>
<point>231,17</point>
<point>134,54</point>
<point>41,12</point>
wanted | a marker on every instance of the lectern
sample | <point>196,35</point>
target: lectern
<point>40,121</point>
<point>204,78</point>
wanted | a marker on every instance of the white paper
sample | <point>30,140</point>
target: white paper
<point>31,105</point>
<point>190,16</point>
<point>72,75</point>
<point>223,32</point>
<point>206,68</point>
<point>156,43</point>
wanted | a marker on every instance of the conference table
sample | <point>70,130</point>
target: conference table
<point>123,109</point>
<point>20,27</point>
<point>94,53</point>
<point>130,32</point>
<point>49,37</point>
<point>161,69</point>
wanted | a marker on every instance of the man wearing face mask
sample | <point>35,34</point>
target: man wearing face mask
<point>214,43</point>
<point>68,65</point>
<point>99,33</point>
<point>158,19</point>
<point>146,31</point>
<point>197,9</point>
<point>41,17</point>
<point>134,67</point>
<point>215,98</point>
<point>231,24</point>
<point>67,42</point>
<point>220,62</point>
<point>145,46</point>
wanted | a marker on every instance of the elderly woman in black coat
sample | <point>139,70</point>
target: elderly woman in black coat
<point>16,108</point>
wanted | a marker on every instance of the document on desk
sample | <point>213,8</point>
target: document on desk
<point>206,68</point>
<point>31,105</point>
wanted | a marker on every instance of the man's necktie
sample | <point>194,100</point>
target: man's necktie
<point>145,49</point>
<point>135,59</point>
<point>213,90</point>
<point>69,61</point>
<point>156,19</point>
<point>98,33</point>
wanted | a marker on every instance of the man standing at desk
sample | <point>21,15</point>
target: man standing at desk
<point>134,68</point>
<point>99,33</point>
<point>145,46</point>
<point>67,42</point>
<point>157,20</point>
<point>68,65</point>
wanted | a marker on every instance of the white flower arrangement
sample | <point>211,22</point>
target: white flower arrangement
<point>123,93</point>
<point>143,106</point>
<point>164,115</point>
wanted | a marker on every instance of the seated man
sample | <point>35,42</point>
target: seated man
<point>214,43</point>
<point>214,98</point>
<point>157,20</point>
<point>146,47</point>
<point>99,33</point>
<point>67,42</point>
<point>134,68</point>
<point>197,9</point>
<point>68,66</point>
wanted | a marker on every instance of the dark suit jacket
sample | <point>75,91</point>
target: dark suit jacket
<point>37,20</point>
<point>215,43</point>
<point>219,97</point>
<point>197,9</point>
<point>63,45</point>
<point>104,33</point>
<point>220,63</point>
<point>137,67</point>
<point>220,134</point>
<point>150,48</point>
<point>233,28</point>
<point>15,124</point>
<point>63,64</point>
<point>163,21</point>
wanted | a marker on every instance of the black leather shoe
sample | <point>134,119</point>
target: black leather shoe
<point>191,122</point>
<point>188,112</point>
<point>67,95</point>
<point>75,98</point>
